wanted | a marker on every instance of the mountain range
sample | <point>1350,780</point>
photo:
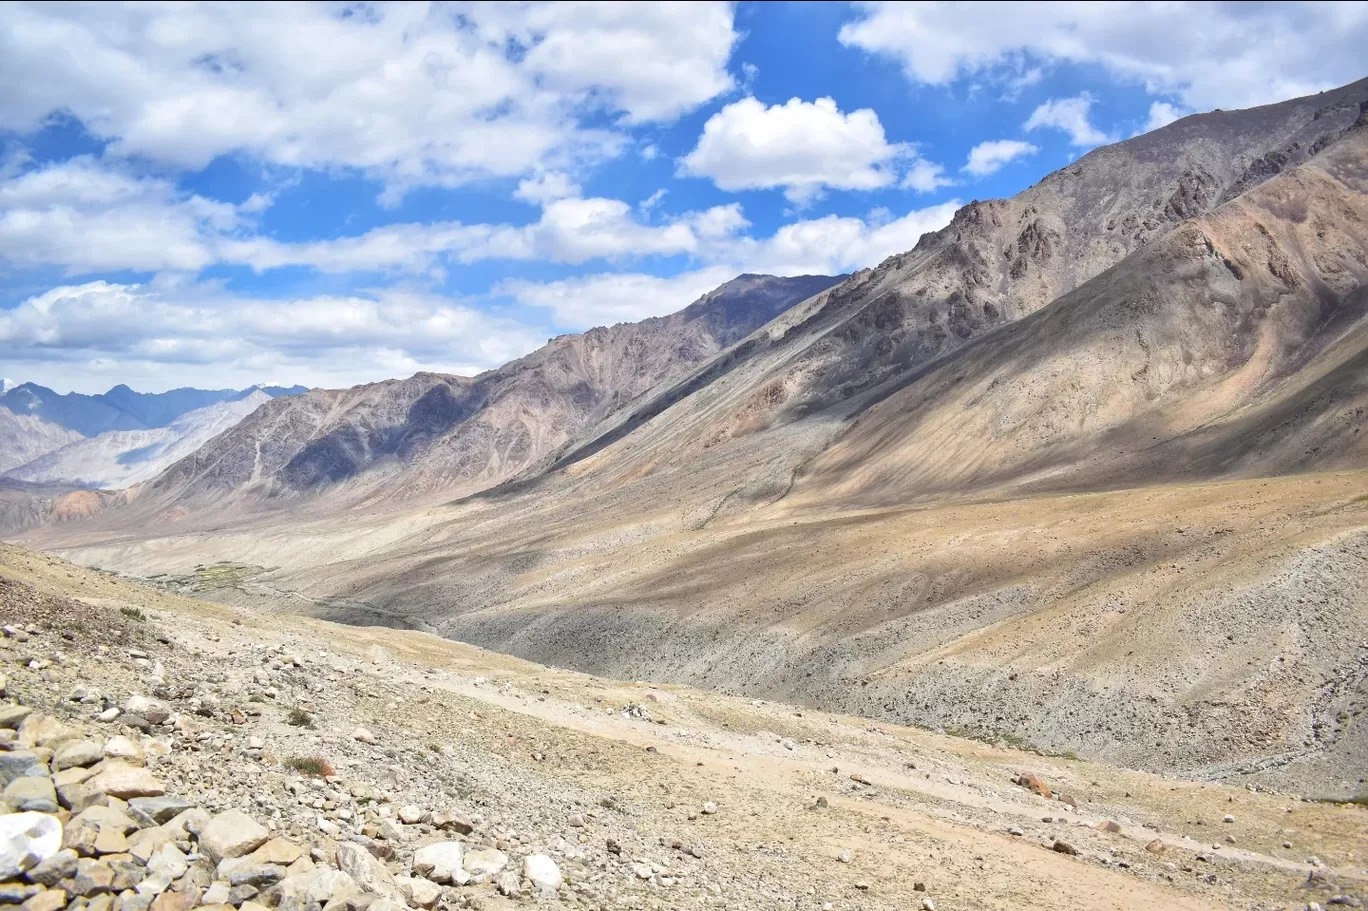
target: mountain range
<point>116,438</point>
<point>1083,468</point>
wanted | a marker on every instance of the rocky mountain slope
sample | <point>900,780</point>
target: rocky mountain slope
<point>121,408</point>
<point>159,752</point>
<point>114,439</point>
<point>121,458</point>
<point>25,437</point>
<point>457,434</point>
<point>1081,469</point>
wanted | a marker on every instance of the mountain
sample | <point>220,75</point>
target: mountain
<point>24,437</point>
<point>120,408</point>
<point>121,458</point>
<point>1082,470</point>
<point>458,434</point>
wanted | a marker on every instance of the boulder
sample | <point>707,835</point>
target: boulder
<point>543,873</point>
<point>439,862</point>
<point>124,781</point>
<point>232,833</point>
<point>26,840</point>
<point>55,869</point>
<point>153,811</point>
<point>11,716</point>
<point>30,793</point>
<point>311,890</point>
<point>20,764</point>
<point>366,870</point>
<point>278,851</point>
<point>483,864</point>
<point>77,753</point>
<point>122,748</point>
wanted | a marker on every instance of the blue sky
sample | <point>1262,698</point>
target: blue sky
<point>334,194</point>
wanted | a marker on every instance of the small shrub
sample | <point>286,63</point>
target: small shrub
<point>133,613</point>
<point>313,766</point>
<point>435,747</point>
<point>299,718</point>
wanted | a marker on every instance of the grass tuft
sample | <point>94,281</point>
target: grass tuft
<point>313,766</point>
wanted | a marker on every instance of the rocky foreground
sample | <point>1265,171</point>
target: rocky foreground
<point>162,754</point>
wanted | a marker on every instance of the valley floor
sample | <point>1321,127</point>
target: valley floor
<point>812,810</point>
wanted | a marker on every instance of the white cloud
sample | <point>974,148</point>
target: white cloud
<point>650,202</point>
<point>1161,114</point>
<point>410,94</point>
<point>544,188</point>
<point>1209,54</point>
<point>654,61</point>
<point>570,230</point>
<point>835,244</point>
<point>86,215</point>
<point>608,298</point>
<point>926,177</point>
<point>803,147</point>
<point>1071,116</point>
<point>829,246</point>
<point>991,156</point>
<point>197,333</point>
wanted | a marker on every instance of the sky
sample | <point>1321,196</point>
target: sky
<point>332,194</point>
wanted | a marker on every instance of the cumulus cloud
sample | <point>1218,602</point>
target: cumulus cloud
<point>411,94</point>
<point>828,245</point>
<point>992,156</point>
<point>1208,54</point>
<point>102,330</point>
<point>86,215</point>
<point>1071,116</point>
<point>1161,114</point>
<point>803,147</point>
<point>608,298</point>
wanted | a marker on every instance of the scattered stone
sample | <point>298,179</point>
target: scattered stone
<point>483,864</point>
<point>411,815</point>
<point>154,811</point>
<point>232,833</point>
<point>845,856</point>
<point>439,862</point>
<point>709,808</point>
<point>1228,818</point>
<point>1110,826</point>
<point>1063,847</point>
<point>31,793</point>
<point>121,748</point>
<point>54,869</point>
<point>364,736</point>
<point>1016,830</point>
<point>50,900</point>
<point>366,870</point>
<point>119,779</point>
<point>543,873</point>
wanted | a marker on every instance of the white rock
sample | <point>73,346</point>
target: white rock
<point>368,871</point>
<point>232,833</point>
<point>363,735</point>
<point>543,873</point>
<point>485,863</point>
<point>709,808</point>
<point>120,747</point>
<point>439,862</point>
<point>26,840</point>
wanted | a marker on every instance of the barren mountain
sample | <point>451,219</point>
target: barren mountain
<point>1081,469</point>
<point>120,458</point>
<point>120,408</point>
<point>459,434</point>
<point>24,437</point>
